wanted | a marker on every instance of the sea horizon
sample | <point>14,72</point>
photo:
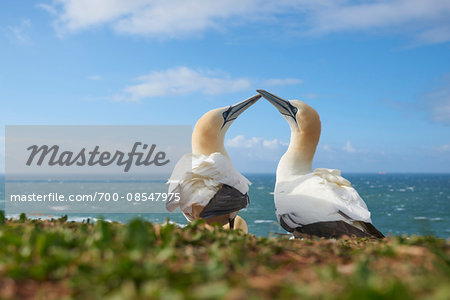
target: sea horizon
<point>400,203</point>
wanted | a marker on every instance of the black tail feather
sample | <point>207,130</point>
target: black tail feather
<point>335,229</point>
<point>373,231</point>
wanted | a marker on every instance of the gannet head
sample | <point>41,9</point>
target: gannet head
<point>209,132</point>
<point>305,134</point>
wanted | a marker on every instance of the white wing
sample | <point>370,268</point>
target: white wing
<point>317,197</point>
<point>198,178</point>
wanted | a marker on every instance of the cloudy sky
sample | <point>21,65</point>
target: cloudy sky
<point>378,72</point>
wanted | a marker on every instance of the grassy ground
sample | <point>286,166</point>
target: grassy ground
<point>139,260</point>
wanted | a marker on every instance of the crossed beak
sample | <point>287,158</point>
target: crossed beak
<point>283,106</point>
<point>235,110</point>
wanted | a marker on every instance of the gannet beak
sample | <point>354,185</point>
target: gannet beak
<point>283,106</point>
<point>235,110</point>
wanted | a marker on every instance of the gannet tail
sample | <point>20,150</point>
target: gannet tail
<point>370,229</point>
<point>336,229</point>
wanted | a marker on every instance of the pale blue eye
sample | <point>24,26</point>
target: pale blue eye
<point>226,113</point>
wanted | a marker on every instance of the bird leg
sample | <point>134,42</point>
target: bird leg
<point>231,222</point>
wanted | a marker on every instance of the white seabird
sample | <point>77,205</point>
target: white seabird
<point>206,180</point>
<point>320,203</point>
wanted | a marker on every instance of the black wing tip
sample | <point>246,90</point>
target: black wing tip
<point>368,227</point>
<point>285,226</point>
<point>335,229</point>
<point>374,231</point>
<point>227,200</point>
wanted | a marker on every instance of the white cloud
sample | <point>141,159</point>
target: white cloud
<point>427,21</point>
<point>435,35</point>
<point>255,154</point>
<point>160,18</point>
<point>443,148</point>
<point>310,96</point>
<point>441,109</point>
<point>437,102</point>
<point>181,81</point>
<point>95,77</point>
<point>19,33</point>
<point>285,81</point>
<point>48,8</point>
<point>326,148</point>
<point>241,141</point>
<point>348,15</point>
<point>256,148</point>
<point>349,147</point>
<point>274,144</point>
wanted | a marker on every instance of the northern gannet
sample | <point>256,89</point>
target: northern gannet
<point>208,184</point>
<point>320,203</point>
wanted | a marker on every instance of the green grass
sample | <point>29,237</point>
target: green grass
<point>57,259</point>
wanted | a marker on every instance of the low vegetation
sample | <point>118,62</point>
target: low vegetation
<point>56,259</point>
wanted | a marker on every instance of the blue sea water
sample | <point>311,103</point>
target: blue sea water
<point>399,203</point>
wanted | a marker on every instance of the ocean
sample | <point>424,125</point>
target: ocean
<point>401,204</point>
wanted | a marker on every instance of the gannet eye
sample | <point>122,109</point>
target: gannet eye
<point>290,110</point>
<point>226,113</point>
<point>294,110</point>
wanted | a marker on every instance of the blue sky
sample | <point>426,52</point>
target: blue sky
<point>378,72</point>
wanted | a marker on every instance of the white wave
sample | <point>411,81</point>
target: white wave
<point>32,216</point>
<point>420,218</point>
<point>35,216</point>
<point>263,221</point>
<point>12,216</point>
<point>175,223</point>
<point>59,208</point>
<point>91,219</point>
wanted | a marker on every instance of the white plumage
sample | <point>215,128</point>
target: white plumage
<point>322,202</point>
<point>209,186</point>
<point>198,177</point>
<point>323,195</point>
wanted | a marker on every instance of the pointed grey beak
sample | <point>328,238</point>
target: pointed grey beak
<point>235,110</point>
<point>283,106</point>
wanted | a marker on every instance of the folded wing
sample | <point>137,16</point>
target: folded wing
<point>198,178</point>
<point>321,196</point>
